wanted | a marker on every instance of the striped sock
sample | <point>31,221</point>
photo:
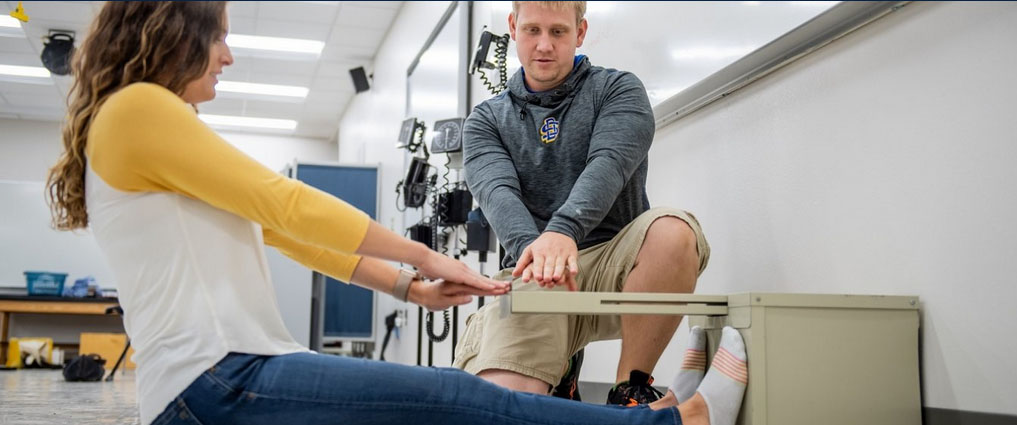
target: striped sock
<point>691,373</point>
<point>724,385</point>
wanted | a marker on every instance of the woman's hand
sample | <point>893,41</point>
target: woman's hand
<point>437,295</point>
<point>438,266</point>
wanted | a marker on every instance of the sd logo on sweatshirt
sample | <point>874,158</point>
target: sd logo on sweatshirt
<point>549,131</point>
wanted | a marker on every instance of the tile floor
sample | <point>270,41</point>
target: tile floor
<point>36,396</point>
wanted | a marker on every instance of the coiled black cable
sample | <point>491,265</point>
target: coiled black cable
<point>501,63</point>
<point>444,330</point>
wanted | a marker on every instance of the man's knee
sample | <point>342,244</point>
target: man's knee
<point>671,237</point>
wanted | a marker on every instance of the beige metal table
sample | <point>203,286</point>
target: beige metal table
<point>813,359</point>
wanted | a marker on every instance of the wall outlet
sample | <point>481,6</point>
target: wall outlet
<point>400,320</point>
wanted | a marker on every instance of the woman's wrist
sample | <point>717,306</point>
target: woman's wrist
<point>419,254</point>
<point>414,295</point>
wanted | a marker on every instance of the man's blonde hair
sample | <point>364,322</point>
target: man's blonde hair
<point>578,6</point>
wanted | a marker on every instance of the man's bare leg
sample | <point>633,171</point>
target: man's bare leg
<point>668,261</point>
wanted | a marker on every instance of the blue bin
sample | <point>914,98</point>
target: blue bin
<point>45,283</point>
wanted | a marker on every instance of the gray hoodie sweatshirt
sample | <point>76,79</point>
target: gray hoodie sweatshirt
<point>570,160</point>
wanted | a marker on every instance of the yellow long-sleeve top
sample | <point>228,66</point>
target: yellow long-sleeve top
<point>182,217</point>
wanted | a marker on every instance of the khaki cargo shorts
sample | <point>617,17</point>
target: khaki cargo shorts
<point>539,345</point>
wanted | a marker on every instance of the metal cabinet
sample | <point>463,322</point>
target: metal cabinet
<point>825,359</point>
<point>813,359</point>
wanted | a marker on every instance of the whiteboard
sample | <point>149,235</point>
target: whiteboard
<point>27,242</point>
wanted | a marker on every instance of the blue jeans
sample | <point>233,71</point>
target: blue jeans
<point>306,388</point>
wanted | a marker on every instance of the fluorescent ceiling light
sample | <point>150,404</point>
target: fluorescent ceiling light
<point>24,71</point>
<point>261,89</point>
<point>710,53</point>
<point>251,122</point>
<point>10,27</point>
<point>9,22</point>
<point>288,45</point>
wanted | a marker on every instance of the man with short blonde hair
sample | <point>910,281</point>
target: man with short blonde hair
<point>558,165</point>
<point>578,6</point>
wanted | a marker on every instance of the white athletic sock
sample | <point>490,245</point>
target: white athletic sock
<point>691,373</point>
<point>724,385</point>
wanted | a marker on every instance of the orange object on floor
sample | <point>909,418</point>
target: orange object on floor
<point>107,345</point>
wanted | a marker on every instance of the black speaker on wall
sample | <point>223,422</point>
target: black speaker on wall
<point>360,82</point>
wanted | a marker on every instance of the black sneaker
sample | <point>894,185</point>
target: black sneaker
<point>568,388</point>
<point>637,390</point>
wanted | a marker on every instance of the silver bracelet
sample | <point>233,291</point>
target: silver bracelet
<point>401,291</point>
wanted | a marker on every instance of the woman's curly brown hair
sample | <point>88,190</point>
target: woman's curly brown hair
<point>161,42</point>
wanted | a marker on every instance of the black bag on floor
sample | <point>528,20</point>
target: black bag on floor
<point>89,367</point>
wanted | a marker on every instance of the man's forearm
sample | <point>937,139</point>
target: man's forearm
<point>592,197</point>
<point>510,219</point>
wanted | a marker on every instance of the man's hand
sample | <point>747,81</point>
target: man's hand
<point>551,260</point>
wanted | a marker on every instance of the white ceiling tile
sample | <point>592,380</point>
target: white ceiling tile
<point>327,103</point>
<point>320,114</point>
<point>395,5</point>
<point>357,36</point>
<point>331,97</point>
<point>264,109</point>
<point>223,106</point>
<point>268,78</point>
<point>330,83</point>
<point>37,28</point>
<point>243,25</point>
<point>63,84</point>
<point>33,90</point>
<point>322,13</point>
<point>253,66</point>
<point>43,112</point>
<point>291,29</point>
<point>21,59</point>
<point>366,17</point>
<point>335,52</point>
<point>14,45</point>
<point>55,116</point>
<point>45,99</point>
<point>335,69</point>
<point>69,11</point>
<point>242,9</point>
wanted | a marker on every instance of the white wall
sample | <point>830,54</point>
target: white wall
<point>276,151</point>
<point>881,164</point>
<point>28,148</point>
